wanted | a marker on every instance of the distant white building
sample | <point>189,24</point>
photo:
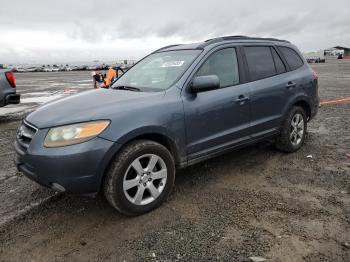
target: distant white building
<point>315,54</point>
<point>333,52</point>
<point>338,50</point>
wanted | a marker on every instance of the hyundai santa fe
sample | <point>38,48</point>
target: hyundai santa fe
<point>180,105</point>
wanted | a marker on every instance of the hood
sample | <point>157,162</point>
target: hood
<point>90,105</point>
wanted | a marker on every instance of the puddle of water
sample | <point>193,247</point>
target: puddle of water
<point>70,91</point>
<point>40,99</point>
<point>12,110</point>
<point>57,84</point>
<point>82,81</point>
<point>29,100</point>
<point>23,85</point>
<point>24,95</point>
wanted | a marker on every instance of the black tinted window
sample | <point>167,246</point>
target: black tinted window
<point>260,62</point>
<point>292,58</point>
<point>280,68</point>
<point>222,63</point>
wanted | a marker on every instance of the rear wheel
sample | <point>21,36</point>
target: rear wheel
<point>293,130</point>
<point>140,178</point>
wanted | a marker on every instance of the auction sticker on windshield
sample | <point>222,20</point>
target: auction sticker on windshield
<point>173,63</point>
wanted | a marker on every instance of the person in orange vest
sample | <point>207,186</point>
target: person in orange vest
<point>111,75</point>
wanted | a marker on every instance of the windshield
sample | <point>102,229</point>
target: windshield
<point>157,71</point>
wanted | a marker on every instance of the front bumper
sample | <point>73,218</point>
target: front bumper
<point>74,169</point>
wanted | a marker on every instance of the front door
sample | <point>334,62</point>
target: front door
<point>219,118</point>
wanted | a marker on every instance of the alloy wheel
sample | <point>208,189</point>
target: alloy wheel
<point>297,129</point>
<point>145,179</point>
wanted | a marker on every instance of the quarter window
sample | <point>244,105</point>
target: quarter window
<point>260,62</point>
<point>293,59</point>
<point>222,63</point>
<point>280,68</point>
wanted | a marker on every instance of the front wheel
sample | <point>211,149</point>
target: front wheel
<point>140,178</point>
<point>293,131</point>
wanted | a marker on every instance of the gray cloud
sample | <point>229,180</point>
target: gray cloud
<point>153,23</point>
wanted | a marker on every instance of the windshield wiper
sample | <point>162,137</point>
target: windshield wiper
<point>131,88</point>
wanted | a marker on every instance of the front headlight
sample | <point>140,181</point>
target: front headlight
<point>74,134</point>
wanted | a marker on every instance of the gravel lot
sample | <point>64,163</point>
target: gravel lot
<point>255,202</point>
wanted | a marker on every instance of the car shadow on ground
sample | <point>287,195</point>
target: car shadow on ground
<point>188,179</point>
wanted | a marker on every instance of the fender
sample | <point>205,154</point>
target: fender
<point>142,131</point>
<point>176,143</point>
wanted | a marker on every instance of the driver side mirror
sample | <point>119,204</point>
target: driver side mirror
<point>205,83</point>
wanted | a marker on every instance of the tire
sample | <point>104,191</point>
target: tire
<point>146,167</point>
<point>286,142</point>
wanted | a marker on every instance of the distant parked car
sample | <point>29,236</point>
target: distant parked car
<point>180,105</point>
<point>81,68</point>
<point>315,60</point>
<point>46,69</point>
<point>32,69</point>
<point>8,93</point>
<point>18,69</point>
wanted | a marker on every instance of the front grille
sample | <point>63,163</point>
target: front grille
<point>25,135</point>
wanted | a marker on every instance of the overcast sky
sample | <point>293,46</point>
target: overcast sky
<point>45,31</point>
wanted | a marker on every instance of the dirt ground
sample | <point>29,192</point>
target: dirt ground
<point>254,202</point>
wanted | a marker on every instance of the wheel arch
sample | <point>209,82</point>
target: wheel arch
<point>162,139</point>
<point>302,101</point>
<point>305,105</point>
<point>159,137</point>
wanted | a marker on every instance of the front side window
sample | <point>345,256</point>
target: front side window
<point>260,62</point>
<point>158,71</point>
<point>224,64</point>
<point>292,58</point>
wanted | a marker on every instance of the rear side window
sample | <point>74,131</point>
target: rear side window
<point>293,59</point>
<point>260,62</point>
<point>280,68</point>
<point>222,63</point>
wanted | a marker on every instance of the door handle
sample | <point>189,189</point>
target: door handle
<point>241,99</point>
<point>291,84</point>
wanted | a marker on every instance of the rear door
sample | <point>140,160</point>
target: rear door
<point>269,91</point>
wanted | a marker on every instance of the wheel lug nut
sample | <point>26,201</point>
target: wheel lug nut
<point>150,179</point>
<point>144,184</point>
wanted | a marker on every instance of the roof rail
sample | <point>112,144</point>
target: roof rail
<point>223,37</point>
<point>164,47</point>
<point>238,37</point>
